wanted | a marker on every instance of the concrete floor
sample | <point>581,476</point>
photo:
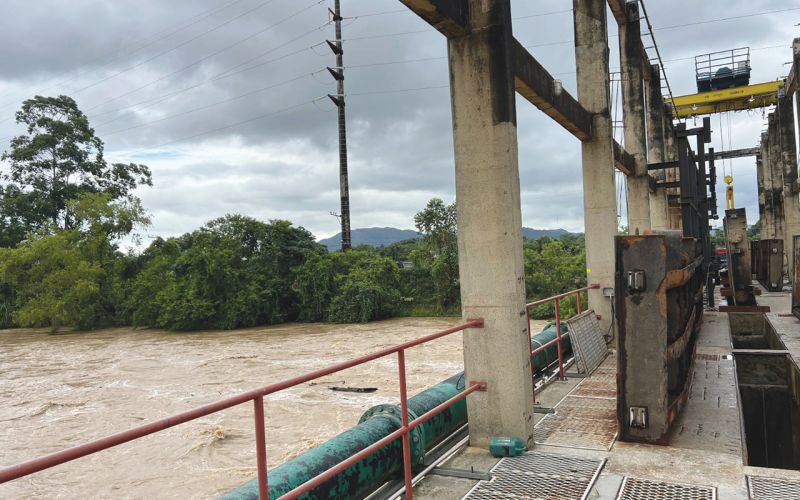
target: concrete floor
<point>705,443</point>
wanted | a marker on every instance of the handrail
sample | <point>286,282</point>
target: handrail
<point>257,396</point>
<point>559,336</point>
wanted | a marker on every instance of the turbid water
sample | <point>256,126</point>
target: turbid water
<point>61,390</point>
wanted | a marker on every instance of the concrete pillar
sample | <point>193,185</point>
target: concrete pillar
<point>599,189</point>
<point>671,154</point>
<point>492,270</point>
<point>659,217</point>
<point>791,204</point>
<point>630,48</point>
<point>773,185</point>
<point>761,160</point>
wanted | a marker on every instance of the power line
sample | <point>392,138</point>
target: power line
<point>155,38</point>
<point>176,47</point>
<point>720,19</point>
<point>214,104</point>
<point>155,100</point>
<point>213,54</point>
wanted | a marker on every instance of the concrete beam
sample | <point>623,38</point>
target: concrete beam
<point>794,73</point>
<point>634,119</point>
<point>492,269</point>
<point>618,10</point>
<point>449,17</point>
<point>737,153</point>
<point>624,161</point>
<point>535,84</point>
<point>761,161</point>
<point>599,154</point>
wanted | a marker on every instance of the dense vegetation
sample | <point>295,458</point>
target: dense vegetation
<point>64,212</point>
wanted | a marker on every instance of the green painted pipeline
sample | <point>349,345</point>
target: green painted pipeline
<point>545,358</point>
<point>364,477</point>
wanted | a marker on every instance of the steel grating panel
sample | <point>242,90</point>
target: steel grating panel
<point>579,422</point>
<point>540,476</point>
<point>645,489</point>
<point>587,341</point>
<point>768,488</point>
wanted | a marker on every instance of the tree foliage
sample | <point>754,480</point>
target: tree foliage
<point>67,277</point>
<point>437,251</point>
<point>233,272</point>
<point>57,160</point>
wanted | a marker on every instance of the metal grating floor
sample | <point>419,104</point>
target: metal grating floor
<point>539,476</point>
<point>645,489</point>
<point>588,423</point>
<point>587,339</point>
<point>767,488</point>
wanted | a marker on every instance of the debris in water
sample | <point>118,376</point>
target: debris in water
<point>354,389</point>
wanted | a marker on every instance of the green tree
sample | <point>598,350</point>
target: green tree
<point>348,287</point>
<point>553,267</point>
<point>57,159</point>
<point>437,252</point>
<point>65,278</point>
<point>233,272</point>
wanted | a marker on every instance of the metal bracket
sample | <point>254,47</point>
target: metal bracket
<point>543,409</point>
<point>481,385</point>
<point>478,320</point>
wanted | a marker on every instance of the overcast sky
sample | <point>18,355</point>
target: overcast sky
<point>219,98</point>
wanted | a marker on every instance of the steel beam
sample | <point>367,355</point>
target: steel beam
<point>758,95</point>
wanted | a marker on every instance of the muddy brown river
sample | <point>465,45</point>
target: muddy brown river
<point>61,390</point>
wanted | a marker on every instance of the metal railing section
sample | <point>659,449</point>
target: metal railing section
<point>556,299</point>
<point>257,397</point>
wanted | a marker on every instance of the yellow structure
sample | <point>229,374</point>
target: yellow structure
<point>758,95</point>
<point>729,204</point>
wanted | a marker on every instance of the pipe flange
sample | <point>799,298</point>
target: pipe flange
<point>416,436</point>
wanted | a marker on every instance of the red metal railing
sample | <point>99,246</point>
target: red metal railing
<point>257,396</point>
<point>557,300</point>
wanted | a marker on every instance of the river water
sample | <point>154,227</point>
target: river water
<point>61,390</point>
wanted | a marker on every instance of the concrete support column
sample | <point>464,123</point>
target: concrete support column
<point>671,154</point>
<point>791,204</point>
<point>761,160</point>
<point>659,216</point>
<point>599,188</point>
<point>492,270</point>
<point>630,48</point>
<point>773,182</point>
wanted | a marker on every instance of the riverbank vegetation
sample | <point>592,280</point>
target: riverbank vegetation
<point>64,213</point>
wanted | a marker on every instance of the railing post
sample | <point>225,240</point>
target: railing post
<point>261,448</point>
<point>530,348</point>
<point>579,302</point>
<point>401,366</point>
<point>558,335</point>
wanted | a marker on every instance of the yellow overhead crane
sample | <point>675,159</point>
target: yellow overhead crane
<point>723,84</point>
<point>758,95</point>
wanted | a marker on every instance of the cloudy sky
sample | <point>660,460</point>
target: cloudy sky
<point>221,98</point>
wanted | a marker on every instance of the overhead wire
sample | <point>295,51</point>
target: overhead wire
<point>174,48</point>
<point>217,52</point>
<point>148,41</point>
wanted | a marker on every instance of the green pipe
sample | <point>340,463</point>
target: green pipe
<point>543,359</point>
<point>364,477</point>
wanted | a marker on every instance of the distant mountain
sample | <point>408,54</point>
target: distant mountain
<point>384,236</point>
<point>374,236</point>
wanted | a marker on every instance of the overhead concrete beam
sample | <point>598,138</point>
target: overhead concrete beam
<point>535,84</point>
<point>449,17</point>
<point>624,161</point>
<point>736,153</point>
<point>618,10</point>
